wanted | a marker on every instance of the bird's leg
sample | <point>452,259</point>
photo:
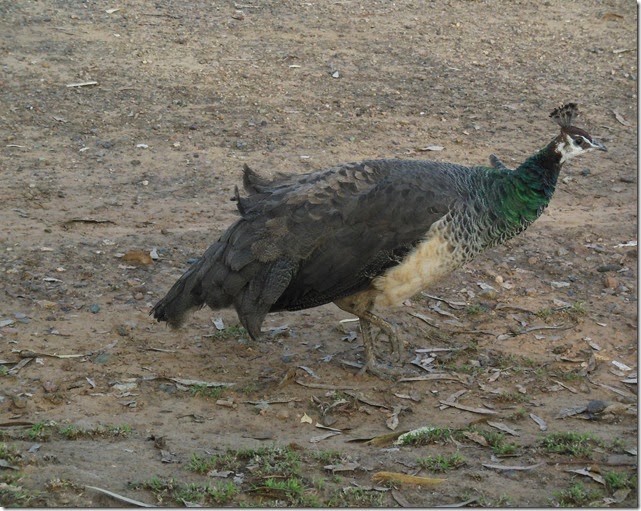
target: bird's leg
<point>360,305</point>
<point>388,329</point>
<point>368,346</point>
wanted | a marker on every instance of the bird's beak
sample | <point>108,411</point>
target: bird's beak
<point>598,145</point>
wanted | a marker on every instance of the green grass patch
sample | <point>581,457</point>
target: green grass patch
<point>575,444</point>
<point>326,457</point>
<point>291,491</point>
<point>168,491</point>
<point>232,332</point>
<point>496,440</point>
<point>442,463</point>
<point>429,435</point>
<point>576,496</point>
<point>203,390</point>
<point>617,481</point>
<point>356,497</point>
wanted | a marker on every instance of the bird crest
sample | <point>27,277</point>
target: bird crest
<point>565,114</point>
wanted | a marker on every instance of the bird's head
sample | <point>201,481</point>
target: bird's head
<point>572,141</point>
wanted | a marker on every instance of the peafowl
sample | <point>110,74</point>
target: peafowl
<point>366,235</point>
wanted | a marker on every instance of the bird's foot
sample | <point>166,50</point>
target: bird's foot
<point>396,344</point>
<point>383,371</point>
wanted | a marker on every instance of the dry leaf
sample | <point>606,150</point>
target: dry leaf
<point>400,499</point>
<point>306,419</point>
<point>541,423</point>
<point>318,438</point>
<point>476,437</point>
<point>397,477</point>
<point>569,412</point>
<point>380,440</point>
<point>483,411</point>
<point>586,472</point>
<point>513,467</point>
<point>620,118</point>
<point>138,256</point>
<point>342,467</point>
<point>503,427</point>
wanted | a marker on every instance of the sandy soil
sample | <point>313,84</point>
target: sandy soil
<point>147,157</point>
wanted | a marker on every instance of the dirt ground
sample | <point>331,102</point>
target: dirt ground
<point>124,128</point>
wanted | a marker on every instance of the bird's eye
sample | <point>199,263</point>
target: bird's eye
<point>579,140</point>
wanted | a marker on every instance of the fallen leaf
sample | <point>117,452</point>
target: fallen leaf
<point>306,419</point>
<point>620,118</point>
<point>221,474</point>
<point>400,499</point>
<point>120,497</point>
<point>392,421</point>
<point>342,467</point>
<point>476,437</point>
<point>586,472</point>
<point>483,411</point>
<point>569,412</point>
<point>380,440</point>
<point>503,427</point>
<point>513,467</point>
<point>541,423</point>
<point>621,365</point>
<point>319,438</point>
<point>397,477</point>
<point>138,256</point>
<point>189,383</point>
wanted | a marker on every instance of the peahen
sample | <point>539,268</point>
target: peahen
<point>366,235</point>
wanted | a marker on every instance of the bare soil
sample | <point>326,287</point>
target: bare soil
<point>148,157</point>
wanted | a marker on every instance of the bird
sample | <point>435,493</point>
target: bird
<point>366,235</point>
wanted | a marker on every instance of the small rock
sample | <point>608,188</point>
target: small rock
<point>532,260</point>
<point>94,308</point>
<point>103,358</point>
<point>490,294</point>
<point>596,406</point>
<point>562,252</point>
<point>610,282</point>
<point>558,285</point>
<point>530,291</point>
<point>138,296</point>
<point>608,267</point>
<point>49,386</point>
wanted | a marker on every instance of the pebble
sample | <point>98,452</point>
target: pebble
<point>532,260</point>
<point>94,308</point>
<point>597,406</point>
<point>610,282</point>
<point>608,267</point>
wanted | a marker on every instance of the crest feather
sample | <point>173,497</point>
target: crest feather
<point>564,115</point>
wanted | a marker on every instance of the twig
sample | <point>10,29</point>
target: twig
<point>424,318</point>
<point>454,305</point>
<point>119,497</point>
<point>483,411</point>
<point>324,386</point>
<point>505,467</point>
